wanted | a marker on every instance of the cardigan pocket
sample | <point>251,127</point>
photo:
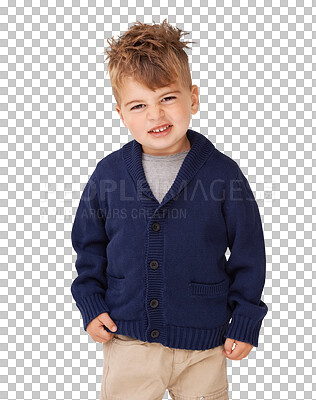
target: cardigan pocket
<point>207,307</point>
<point>208,289</point>
<point>114,282</point>
<point>124,297</point>
<point>114,291</point>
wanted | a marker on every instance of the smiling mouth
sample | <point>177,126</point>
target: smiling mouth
<point>161,133</point>
<point>160,130</point>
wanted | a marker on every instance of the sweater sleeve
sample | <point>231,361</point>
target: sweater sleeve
<point>89,240</point>
<point>246,265</point>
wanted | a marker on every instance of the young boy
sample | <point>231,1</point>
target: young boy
<point>151,231</point>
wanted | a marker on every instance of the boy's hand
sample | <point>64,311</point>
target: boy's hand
<point>96,329</point>
<point>241,350</point>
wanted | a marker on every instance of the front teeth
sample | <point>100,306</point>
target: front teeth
<point>161,130</point>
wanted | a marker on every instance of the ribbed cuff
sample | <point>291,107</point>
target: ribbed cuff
<point>244,329</point>
<point>90,307</point>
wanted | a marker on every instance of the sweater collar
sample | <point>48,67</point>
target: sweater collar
<point>201,149</point>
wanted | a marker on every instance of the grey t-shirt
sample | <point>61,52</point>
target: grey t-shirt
<point>161,171</point>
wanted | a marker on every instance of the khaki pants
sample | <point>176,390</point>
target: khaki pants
<point>137,370</point>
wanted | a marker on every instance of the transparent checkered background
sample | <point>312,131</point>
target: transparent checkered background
<point>254,63</point>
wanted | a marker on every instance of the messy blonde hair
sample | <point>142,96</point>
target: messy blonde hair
<point>151,54</point>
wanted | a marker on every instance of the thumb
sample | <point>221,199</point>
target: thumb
<point>108,322</point>
<point>228,345</point>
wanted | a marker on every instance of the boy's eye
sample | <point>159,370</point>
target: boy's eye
<point>138,105</point>
<point>170,97</point>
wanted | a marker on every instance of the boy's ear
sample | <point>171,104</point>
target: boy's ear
<point>195,99</point>
<point>120,114</point>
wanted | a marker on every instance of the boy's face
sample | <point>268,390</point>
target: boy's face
<point>147,109</point>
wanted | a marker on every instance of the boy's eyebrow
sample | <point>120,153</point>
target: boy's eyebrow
<point>139,101</point>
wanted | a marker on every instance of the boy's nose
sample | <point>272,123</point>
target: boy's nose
<point>155,113</point>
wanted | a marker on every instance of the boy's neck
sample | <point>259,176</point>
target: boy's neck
<point>186,145</point>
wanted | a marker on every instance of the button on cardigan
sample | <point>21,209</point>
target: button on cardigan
<point>159,268</point>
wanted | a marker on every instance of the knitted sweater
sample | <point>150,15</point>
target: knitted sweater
<point>159,268</point>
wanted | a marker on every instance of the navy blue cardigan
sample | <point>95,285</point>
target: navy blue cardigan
<point>159,269</point>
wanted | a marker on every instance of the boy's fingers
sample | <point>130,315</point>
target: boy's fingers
<point>107,321</point>
<point>228,345</point>
<point>105,338</point>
